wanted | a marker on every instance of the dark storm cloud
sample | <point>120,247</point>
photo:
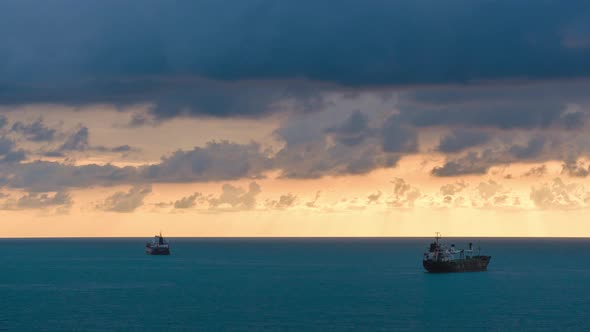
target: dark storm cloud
<point>574,120</point>
<point>462,139</point>
<point>398,137</point>
<point>128,52</point>
<point>507,115</point>
<point>473,162</point>
<point>469,164</point>
<point>509,105</point>
<point>174,96</point>
<point>531,150</point>
<point>353,130</point>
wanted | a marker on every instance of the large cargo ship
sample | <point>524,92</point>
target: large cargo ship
<point>158,246</point>
<point>442,258</point>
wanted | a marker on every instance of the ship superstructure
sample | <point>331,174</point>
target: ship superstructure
<point>443,258</point>
<point>158,246</point>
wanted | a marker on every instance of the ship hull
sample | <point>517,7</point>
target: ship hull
<point>157,251</point>
<point>473,264</point>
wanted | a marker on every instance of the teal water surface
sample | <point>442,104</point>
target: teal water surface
<point>289,285</point>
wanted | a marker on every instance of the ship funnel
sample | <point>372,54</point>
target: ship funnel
<point>470,245</point>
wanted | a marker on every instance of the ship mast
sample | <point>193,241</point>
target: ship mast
<point>437,237</point>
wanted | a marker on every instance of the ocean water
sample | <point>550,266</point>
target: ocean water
<point>289,285</point>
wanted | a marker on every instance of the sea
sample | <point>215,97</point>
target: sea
<point>286,284</point>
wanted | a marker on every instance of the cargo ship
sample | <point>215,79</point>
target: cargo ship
<point>443,258</point>
<point>158,246</point>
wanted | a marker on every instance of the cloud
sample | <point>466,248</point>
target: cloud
<point>6,145</point>
<point>318,159</point>
<point>461,139</point>
<point>314,147</point>
<point>478,163</point>
<point>78,141</point>
<point>140,119</point>
<point>489,189</point>
<point>398,137</point>
<point>576,35</point>
<point>173,40</point>
<point>9,155</point>
<point>44,176</point>
<point>35,131</point>
<point>374,198</point>
<point>502,105</point>
<point>187,202</point>
<point>59,199</point>
<point>559,195</point>
<point>160,55</point>
<point>404,194</point>
<point>536,171</point>
<point>574,120</point>
<point>575,168</point>
<point>284,201</point>
<point>353,131</point>
<point>236,198</point>
<point>471,163</point>
<point>453,188</point>
<point>122,149</point>
<point>126,201</point>
<point>351,204</point>
<point>531,150</point>
<point>216,161</point>
<point>169,97</point>
<point>313,202</point>
<point>14,157</point>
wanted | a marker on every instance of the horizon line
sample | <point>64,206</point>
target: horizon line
<point>294,237</point>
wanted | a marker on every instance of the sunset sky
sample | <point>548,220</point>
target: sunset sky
<point>294,118</point>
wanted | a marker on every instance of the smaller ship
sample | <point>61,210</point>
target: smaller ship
<point>442,258</point>
<point>158,246</point>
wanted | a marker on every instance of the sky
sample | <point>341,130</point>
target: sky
<point>294,118</point>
